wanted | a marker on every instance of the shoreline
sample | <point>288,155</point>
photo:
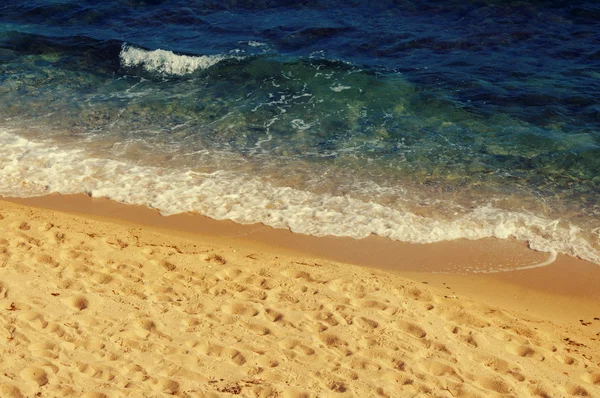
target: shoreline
<point>570,284</point>
<point>373,251</point>
<point>97,305</point>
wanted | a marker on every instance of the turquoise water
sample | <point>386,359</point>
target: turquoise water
<point>416,121</point>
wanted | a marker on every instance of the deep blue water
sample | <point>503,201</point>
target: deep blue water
<point>417,120</point>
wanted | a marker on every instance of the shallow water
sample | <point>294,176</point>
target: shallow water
<point>416,121</point>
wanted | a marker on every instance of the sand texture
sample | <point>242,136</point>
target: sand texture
<point>96,309</point>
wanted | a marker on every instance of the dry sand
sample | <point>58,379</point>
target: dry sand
<point>93,305</point>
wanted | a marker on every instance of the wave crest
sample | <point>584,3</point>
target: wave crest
<point>167,62</point>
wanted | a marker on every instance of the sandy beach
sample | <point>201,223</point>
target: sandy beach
<point>299,199</point>
<point>100,299</point>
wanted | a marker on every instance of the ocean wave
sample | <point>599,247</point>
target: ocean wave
<point>29,168</point>
<point>166,62</point>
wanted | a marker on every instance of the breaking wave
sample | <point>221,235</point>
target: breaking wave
<point>168,63</point>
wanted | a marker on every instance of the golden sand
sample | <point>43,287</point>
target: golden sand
<point>97,307</point>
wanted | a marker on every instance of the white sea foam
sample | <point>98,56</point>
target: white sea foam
<point>30,168</point>
<point>166,62</point>
<point>253,43</point>
<point>339,88</point>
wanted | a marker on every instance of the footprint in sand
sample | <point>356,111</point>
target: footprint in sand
<point>438,369</point>
<point>464,318</point>
<point>24,226</point>
<point>367,323</point>
<point>298,274</point>
<point>46,350</point>
<point>166,386</point>
<point>363,364</point>
<point>10,391</point>
<point>228,274</point>
<point>411,329</point>
<point>45,227</point>
<point>468,337</point>
<point>335,385</point>
<point>59,237</point>
<point>59,331</point>
<point>239,309</point>
<point>129,272</point>
<point>77,303</point>
<point>273,315</point>
<point>47,260</point>
<point>539,390</point>
<point>592,378</point>
<point>500,366</point>
<point>377,305</point>
<point>215,350</point>
<point>101,278</point>
<point>146,324</point>
<point>577,391</point>
<point>296,345</point>
<point>295,393</point>
<point>253,295</point>
<point>268,361</point>
<point>524,350</point>
<point>259,282</point>
<point>258,328</point>
<point>216,259</point>
<point>566,359</point>
<point>495,384</point>
<point>3,290</point>
<point>326,317</point>
<point>94,395</point>
<point>68,283</point>
<point>169,266</point>
<point>334,341</point>
<point>418,295</point>
<point>34,375</point>
<point>34,319</point>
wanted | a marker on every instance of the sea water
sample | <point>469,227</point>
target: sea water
<point>419,121</point>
